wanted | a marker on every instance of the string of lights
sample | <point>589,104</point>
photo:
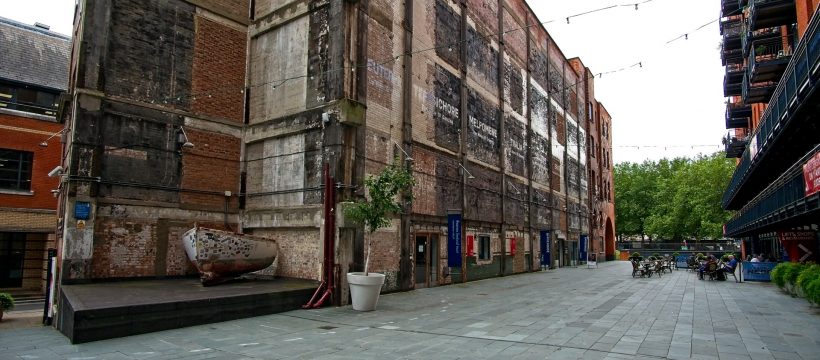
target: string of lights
<point>274,83</point>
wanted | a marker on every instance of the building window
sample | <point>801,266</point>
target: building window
<point>15,170</point>
<point>23,98</point>
<point>484,247</point>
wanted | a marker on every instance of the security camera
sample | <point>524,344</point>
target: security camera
<point>57,171</point>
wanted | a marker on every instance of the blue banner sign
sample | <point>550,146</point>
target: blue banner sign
<point>454,240</point>
<point>757,271</point>
<point>545,248</point>
<point>682,261</point>
<point>583,247</point>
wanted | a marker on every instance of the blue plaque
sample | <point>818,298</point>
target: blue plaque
<point>545,248</point>
<point>82,210</point>
<point>454,240</point>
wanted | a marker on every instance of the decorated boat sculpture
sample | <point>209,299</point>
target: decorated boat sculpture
<point>222,255</point>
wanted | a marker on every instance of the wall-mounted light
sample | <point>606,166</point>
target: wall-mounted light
<point>514,188</point>
<point>184,139</point>
<point>469,176</point>
<point>57,171</point>
<point>45,142</point>
<point>407,156</point>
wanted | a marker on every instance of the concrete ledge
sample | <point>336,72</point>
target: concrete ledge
<point>92,312</point>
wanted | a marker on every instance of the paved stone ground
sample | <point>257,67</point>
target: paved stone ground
<point>573,313</point>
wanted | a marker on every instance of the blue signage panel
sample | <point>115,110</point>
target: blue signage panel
<point>757,271</point>
<point>545,247</point>
<point>682,261</point>
<point>82,210</point>
<point>454,240</point>
<point>582,253</point>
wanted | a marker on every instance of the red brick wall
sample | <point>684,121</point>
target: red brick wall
<point>212,165</point>
<point>218,70</point>
<point>805,10</point>
<point>45,159</point>
<point>124,249</point>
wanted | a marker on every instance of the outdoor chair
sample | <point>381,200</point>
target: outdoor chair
<point>733,273</point>
<point>659,267</point>
<point>639,270</point>
<point>711,270</point>
<point>693,264</point>
<point>666,264</point>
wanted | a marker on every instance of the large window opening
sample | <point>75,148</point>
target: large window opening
<point>15,170</point>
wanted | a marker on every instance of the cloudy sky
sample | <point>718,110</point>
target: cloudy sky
<point>671,106</point>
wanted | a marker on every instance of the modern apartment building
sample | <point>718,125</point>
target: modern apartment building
<point>771,49</point>
<point>33,73</point>
<point>225,113</point>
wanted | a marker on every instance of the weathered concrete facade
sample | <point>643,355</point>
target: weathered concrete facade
<point>492,113</point>
<point>147,77</point>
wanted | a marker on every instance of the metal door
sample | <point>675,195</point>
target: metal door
<point>426,260</point>
<point>12,251</point>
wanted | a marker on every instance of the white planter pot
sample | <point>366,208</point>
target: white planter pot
<point>364,290</point>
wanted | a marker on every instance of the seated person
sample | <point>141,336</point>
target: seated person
<point>756,258</point>
<point>705,265</point>
<point>730,266</point>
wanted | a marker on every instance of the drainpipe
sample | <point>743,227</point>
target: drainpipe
<point>405,265</point>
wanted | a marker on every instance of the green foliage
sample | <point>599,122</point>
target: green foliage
<point>675,254</point>
<point>374,212</point>
<point>778,274</point>
<point>6,302</point>
<point>382,200</point>
<point>812,290</point>
<point>700,256</point>
<point>656,255</point>
<point>809,282</point>
<point>792,272</point>
<point>673,199</point>
<point>810,272</point>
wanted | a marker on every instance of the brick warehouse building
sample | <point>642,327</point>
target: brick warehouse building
<point>771,50</point>
<point>507,133</point>
<point>33,73</point>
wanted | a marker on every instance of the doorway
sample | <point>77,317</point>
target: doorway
<point>426,250</point>
<point>12,251</point>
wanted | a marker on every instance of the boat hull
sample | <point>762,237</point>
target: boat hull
<point>222,255</point>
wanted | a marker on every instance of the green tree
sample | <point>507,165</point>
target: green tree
<point>382,201</point>
<point>672,199</point>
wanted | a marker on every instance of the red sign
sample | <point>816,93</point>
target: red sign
<point>470,249</point>
<point>799,245</point>
<point>811,174</point>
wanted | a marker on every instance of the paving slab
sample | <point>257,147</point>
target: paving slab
<point>569,313</point>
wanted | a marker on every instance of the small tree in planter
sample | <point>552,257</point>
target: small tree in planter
<point>374,212</point>
<point>6,303</point>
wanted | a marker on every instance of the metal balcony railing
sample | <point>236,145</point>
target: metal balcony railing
<point>799,78</point>
<point>748,37</point>
<point>788,189</point>
<point>759,92</point>
<point>768,13</point>
<point>737,115</point>
<point>767,59</point>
